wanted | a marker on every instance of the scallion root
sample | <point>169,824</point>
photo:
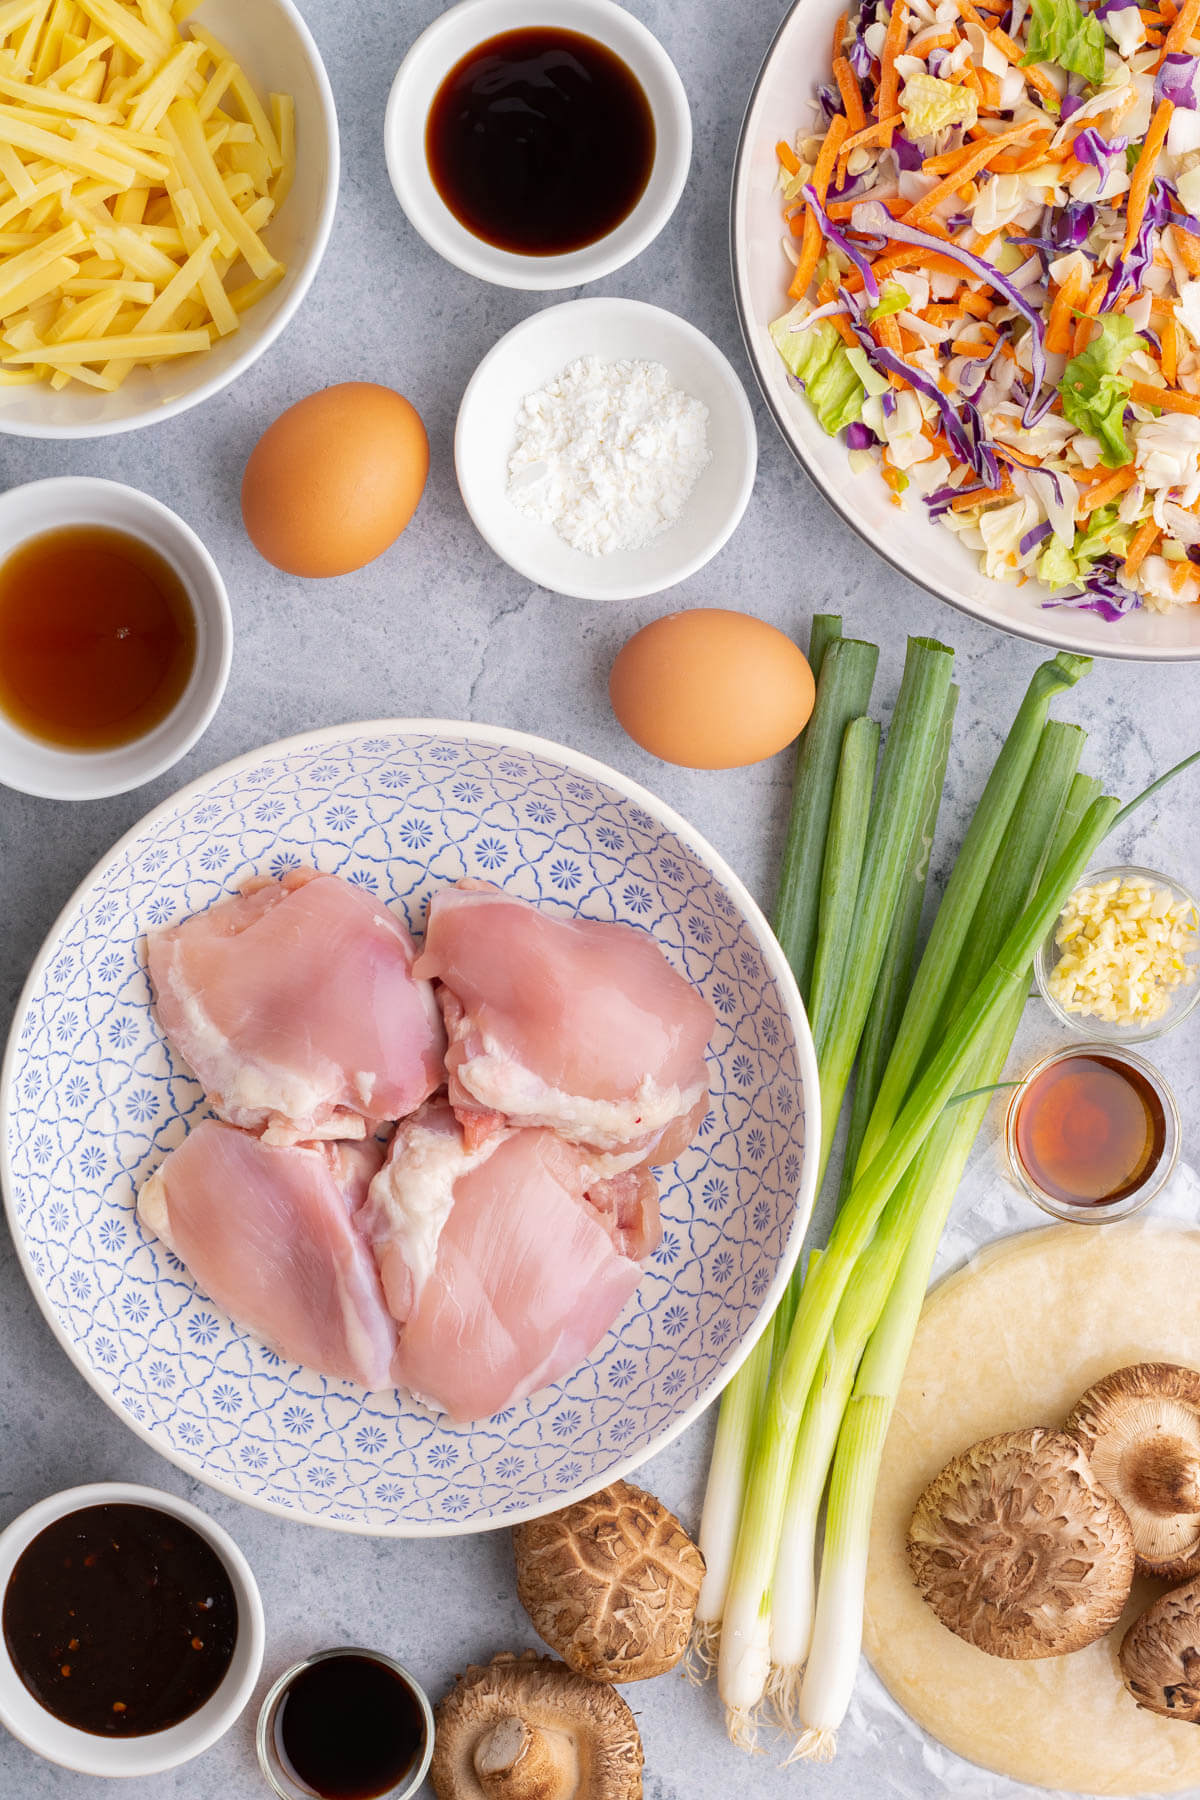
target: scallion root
<point>783,1694</point>
<point>742,1726</point>
<point>812,1746</point>
<point>700,1658</point>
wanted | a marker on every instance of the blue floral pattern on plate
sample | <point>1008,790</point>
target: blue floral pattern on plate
<point>93,1101</point>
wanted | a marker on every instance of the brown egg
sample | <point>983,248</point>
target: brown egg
<point>335,479</point>
<point>711,689</point>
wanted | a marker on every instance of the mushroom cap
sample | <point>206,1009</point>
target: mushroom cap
<point>610,1583</point>
<point>1019,1550</point>
<point>595,1752</point>
<point>1140,1431</point>
<point>1160,1655</point>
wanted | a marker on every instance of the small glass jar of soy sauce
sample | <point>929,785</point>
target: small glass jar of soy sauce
<point>346,1724</point>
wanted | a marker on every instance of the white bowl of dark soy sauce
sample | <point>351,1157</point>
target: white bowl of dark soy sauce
<point>538,143</point>
<point>78,1682</point>
<point>345,1724</point>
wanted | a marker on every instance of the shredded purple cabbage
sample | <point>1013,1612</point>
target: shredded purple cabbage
<point>1035,535</point>
<point>830,231</point>
<point>1129,270</point>
<point>830,101</point>
<point>860,59</point>
<point>1066,228</point>
<point>1112,6</point>
<point>963,428</point>
<point>937,60</point>
<point>942,498</point>
<point>1177,81</point>
<point>908,157</point>
<point>879,220</point>
<point>1103,154</point>
<point>888,404</point>
<point>860,436</point>
<point>971,385</point>
<point>1070,105</point>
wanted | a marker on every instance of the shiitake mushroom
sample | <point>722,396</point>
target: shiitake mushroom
<point>1019,1550</point>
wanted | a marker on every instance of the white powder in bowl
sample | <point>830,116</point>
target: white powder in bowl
<point>607,453</point>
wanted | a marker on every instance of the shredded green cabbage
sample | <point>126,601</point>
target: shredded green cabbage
<point>1095,393</point>
<point>1060,32</point>
<point>930,105</point>
<point>817,357</point>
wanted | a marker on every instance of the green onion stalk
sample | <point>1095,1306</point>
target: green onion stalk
<point>837,1634</point>
<point>912,747</point>
<point>747,1605</point>
<point>1019,860</point>
<point>844,670</point>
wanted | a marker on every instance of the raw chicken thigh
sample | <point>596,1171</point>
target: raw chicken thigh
<point>502,1274</point>
<point>574,1025</point>
<point>270,1234</point>
<point>296,1005</point>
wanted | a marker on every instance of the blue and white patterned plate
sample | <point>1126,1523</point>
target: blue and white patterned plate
<point>92,1100</point>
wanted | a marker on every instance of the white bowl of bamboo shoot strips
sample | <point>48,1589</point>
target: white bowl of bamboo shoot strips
<point>167,185</point>
<point>925,1037</point>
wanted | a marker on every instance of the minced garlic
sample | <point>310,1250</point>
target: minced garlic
<point>1123,945</point>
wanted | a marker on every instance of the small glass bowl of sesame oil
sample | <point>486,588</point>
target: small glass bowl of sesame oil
<point>1171,984</point>
<point>1092,1133</point>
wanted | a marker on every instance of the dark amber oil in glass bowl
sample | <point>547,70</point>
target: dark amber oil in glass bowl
<point>540,141</point>
<point>97,637</point>
<point>120,1620</point>
<point>1089,1130</point>
<point>348,1727</point>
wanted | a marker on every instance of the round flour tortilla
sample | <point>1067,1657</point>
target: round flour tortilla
<point>1013,1340</point>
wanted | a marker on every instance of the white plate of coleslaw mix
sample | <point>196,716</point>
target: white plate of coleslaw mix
<point>966,248</point>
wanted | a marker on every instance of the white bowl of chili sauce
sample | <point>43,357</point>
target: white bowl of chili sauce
<point>132,1630</point>
<point>115,638</point>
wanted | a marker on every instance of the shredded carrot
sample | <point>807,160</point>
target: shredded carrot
<point>839,33</point>
<point>842,209</point>
<point>971,346</point>
<point>1060,333</point>
<point>1183,28</point>
<point>891,475</point>
<point>963,502</point>
<point>910,256</point>
<point>969,302</point>
<point>932,39</point>
<point>979,159</point>
<point>788,157</point>
<point>1012,53</point>
<point>848,88</point>
<point>1143,393</point>
<point>990,87</point>
<point>1143,540</point>
<point>873,134</point>
<point>810,247</point>
<point>1181,573</point>
<point>892,45</point>
<point>1143,170</point>
<point>1170,349</point>
<point>1188,248</point>
<point>887,334</point>
<point>1108,489</point>
<point>1026,460</point>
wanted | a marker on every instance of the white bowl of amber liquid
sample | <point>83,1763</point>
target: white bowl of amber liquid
<point>115,638</point>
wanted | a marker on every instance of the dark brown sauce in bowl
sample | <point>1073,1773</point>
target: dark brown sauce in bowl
<point>97,637</point>
<point>540,141</point>
<point>120,1620</point>
<point>345,1725</point>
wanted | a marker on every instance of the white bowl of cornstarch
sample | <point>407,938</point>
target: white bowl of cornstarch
<point>605,449</point>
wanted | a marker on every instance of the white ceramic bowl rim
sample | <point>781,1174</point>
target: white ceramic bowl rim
<point>157,1751</point>
<point>256,343</point>
<point>1033,629</point>
<point>773,957</point>
<point>472,22</point>
<point>55,773</point>
<point>575,574</point>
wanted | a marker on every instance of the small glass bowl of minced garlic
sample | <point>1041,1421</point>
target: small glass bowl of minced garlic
<point>1123,960</point>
